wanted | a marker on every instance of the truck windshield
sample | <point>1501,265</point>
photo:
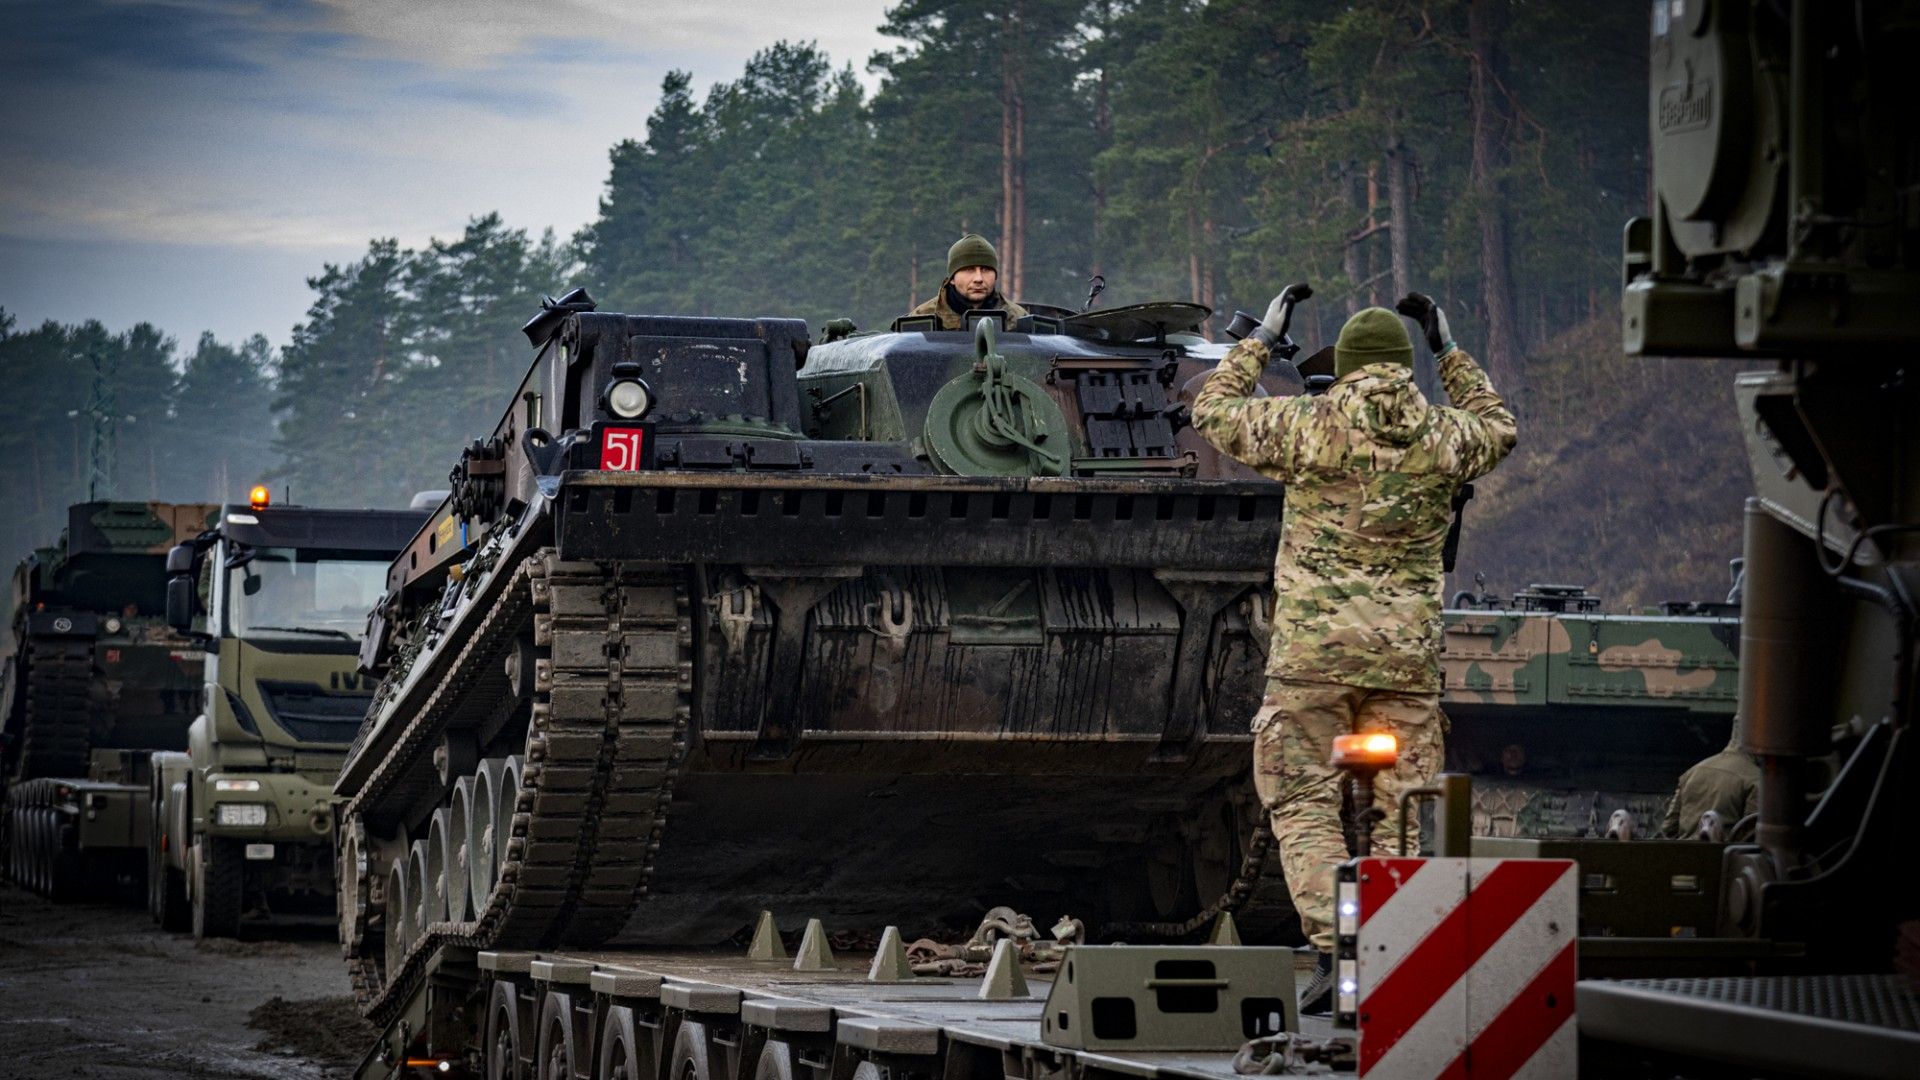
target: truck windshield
<point>295,593</point>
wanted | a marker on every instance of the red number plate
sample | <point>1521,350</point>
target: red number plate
<point>621,449</point>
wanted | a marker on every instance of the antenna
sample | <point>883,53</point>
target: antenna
<point>103,431</point>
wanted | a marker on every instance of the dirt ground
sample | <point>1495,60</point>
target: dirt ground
<point>99,992</point>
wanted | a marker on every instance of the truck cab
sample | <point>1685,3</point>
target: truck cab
<point>280,595</point>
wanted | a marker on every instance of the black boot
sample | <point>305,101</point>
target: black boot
<point>1317,998</point>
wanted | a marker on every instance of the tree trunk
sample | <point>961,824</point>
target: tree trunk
<point>1206,273</point>
<point>1019,284</point>
<point>1010,146</point>
<point>1398,215</point>
<point>1193,252</point>
<point>1486,23</point>
<point>1350,263</point>
<point>1102,137</point>
<point>1372,226</point>
<point>1399,218</point>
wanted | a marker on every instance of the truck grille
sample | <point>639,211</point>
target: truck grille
<point>311,714</point>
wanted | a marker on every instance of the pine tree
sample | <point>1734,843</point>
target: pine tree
<point>344,433</point>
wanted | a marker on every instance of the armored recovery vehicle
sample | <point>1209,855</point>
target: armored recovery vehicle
<point>242,818</point>
<point>718,620</point>
<point>95,682</point>
<point>943,620</point>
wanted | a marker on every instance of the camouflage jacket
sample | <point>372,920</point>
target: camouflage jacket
<point>1371,469</point>
<point>954,320</point>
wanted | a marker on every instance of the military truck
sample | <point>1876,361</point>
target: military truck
<point>94,682</point>
<point>278,596</point>
<point>1786,184</point>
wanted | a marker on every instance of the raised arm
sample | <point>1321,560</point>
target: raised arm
<point>1486,425</point>
<point>1226,414</point>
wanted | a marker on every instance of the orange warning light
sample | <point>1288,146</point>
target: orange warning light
<point>1367,750</point>
<point>257,498</point>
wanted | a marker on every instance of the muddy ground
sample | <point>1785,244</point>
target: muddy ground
<point>100,992</point>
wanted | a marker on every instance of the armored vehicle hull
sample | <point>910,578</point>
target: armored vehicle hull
<point>791,661</point>
<point>96,680</point>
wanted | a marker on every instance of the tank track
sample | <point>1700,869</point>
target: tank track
<point>607,736</point>
<point>55,716</point>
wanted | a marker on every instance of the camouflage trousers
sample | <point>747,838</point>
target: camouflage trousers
<point>1292,741</point>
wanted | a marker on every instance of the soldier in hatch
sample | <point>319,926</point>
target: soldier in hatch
<point>1371,469</point>
<point>973,280</point>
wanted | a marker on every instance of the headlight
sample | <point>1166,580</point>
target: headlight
<point>236,785</point>
<point>113,625</point>
<point>240,814</point>
<point>628,398</point>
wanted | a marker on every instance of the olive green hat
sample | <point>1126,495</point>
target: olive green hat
<point>1373,336</point>
<point>972,250</point>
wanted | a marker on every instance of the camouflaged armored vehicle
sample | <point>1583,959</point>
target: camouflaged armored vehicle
<point>1567,716</point>
<point>95,680</point>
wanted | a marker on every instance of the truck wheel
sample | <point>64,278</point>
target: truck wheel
<point>167,893</point>
<point>66,870</point>
<point>218,888</point>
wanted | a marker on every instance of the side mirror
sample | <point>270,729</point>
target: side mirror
<point>179,559</point>
<point>180,590</point>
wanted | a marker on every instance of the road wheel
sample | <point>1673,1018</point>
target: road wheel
<point>503,1034</point>
<point>626,1048</point>
<point>218,889</point>
<point>553,1055</point>
<point>690,1060</point>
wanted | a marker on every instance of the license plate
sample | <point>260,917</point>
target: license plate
<point>259,851</point>
<point>622,449</point>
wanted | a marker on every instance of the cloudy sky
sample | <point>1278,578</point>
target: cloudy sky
<point>190,162</point>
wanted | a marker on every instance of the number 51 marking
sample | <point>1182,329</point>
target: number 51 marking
<point>620,449</point>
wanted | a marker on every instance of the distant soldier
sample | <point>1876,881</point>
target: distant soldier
<point>1727,784</point>
<point>1371,469</point>
<point>973,279</point>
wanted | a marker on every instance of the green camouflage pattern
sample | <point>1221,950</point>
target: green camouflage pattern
<point>1565,718</point>
<point>1540,659</point>
<point>1371,469</point>
<point>953,320</point>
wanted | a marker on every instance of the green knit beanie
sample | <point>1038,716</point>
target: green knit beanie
<point>1373,336</point>
<point>972,250</point>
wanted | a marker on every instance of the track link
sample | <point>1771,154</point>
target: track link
<point>53,738</point>
<point>606,738</point>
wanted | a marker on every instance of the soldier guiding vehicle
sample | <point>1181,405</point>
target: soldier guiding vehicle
<point>1371,470</point>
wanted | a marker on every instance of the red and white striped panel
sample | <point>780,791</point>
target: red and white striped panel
<point>1466,968</point>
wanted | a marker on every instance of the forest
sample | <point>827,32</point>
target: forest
<point>1485,151</point>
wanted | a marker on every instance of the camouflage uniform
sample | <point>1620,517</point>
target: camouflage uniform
<point>1371,469</point>
<point>1727,783</point>
<point>951,319</point>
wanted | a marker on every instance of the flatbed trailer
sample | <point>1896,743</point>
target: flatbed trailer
<point>710,1015</point>
<point>71,838</point>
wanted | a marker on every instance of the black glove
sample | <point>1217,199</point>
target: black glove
<point>1273,328</point>
<point>1420,308</point>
